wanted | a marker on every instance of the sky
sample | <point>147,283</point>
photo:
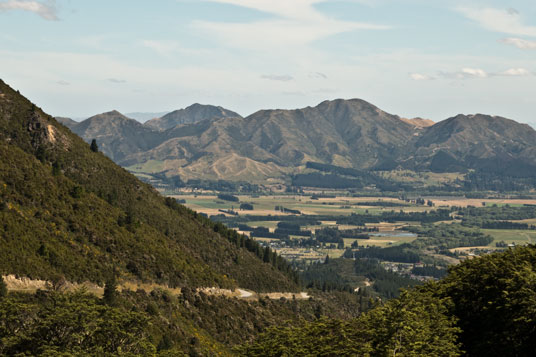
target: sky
<point>415,58</point>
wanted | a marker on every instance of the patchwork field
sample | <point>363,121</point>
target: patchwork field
<point>265,205</point>
<point>330,208</point>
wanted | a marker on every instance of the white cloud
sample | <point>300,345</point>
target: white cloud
<point>294,9</point>
<point>46,11</point>
<point>420,77</point>
<point>466,73</point>
<point>473,72</point>
<point>515,72</point>
<point>520,43</point>
<point>498,20</point>
<point>296,23</point>
<point>275,77</point>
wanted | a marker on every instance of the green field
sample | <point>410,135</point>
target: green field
<point>328,208</point>
<point>518,237</point>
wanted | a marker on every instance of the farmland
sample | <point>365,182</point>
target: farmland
<point>374,222</point>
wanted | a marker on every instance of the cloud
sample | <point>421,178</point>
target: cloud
<point>473,72</point>
<point>520,43</point>
<point>116,80</point>
<point>46,11</point>
<point>420,77</point>
<point>466,73</point>
<point>318,75</point>
<point>296,23</point>
<point>275,77</point>
<point>515,72</point>
<point>498,20</point>
<point>470,73</point>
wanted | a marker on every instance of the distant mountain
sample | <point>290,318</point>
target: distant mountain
<point>349,133</point>
<point>489,143</point>
<point>198,144</point>
<point>116,135</point>
<point>68,122</point>
<point>143,117</point>
<point>190,115</point>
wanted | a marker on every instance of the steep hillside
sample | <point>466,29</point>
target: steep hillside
<point>69,214</point>
<point>192,114</point>
<point>66,210</point>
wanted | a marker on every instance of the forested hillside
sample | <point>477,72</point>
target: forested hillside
<point>69,214</point>
<point>484,307</point>
<point>70,211</point>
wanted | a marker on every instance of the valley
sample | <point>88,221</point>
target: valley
<point>306,228</point>
<point>254,178</point>
<point>208,266</point>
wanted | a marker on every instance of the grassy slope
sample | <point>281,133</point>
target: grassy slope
<point>61,204</point>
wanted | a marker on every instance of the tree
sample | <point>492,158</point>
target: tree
<point>110,291</point>
<point>94,146</point>
<point>494,298</point>
<point>3,287</point>
<point>415,324</point>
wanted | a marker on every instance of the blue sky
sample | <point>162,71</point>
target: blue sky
<point>427,58</point>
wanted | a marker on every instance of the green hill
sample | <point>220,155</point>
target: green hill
<point>66,210</point>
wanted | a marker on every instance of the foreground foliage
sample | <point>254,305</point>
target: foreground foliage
<point>484,307</point>
<point>415,324</point>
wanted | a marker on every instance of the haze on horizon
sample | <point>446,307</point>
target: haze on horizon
<point>432,59</point>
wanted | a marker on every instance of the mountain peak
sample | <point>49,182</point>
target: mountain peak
<point>189,115</point>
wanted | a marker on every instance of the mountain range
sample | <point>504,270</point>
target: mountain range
<point>208,142</point>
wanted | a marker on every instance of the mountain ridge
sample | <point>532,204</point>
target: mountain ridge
<point>350,133</point>
<point>189,115</point>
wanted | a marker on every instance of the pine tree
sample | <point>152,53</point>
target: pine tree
<point>94,147</point>
<point>110,291</point>
<point>3,287</point>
